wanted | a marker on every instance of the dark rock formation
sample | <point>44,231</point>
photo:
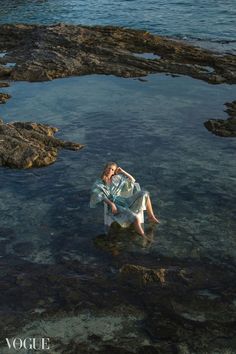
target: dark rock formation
<point>48,52</point>
<point>221,127</point>
<point>231,110</point>
<point>38,53</point>
<point>187,308</point>
<point>143,275</point>
<point>4,97</point>
<point>119,239</point>
<point>25,145</point>
<point>4,84</point>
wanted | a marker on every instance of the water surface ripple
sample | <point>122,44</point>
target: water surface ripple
<point>153,129</point>
<point>210,23</point>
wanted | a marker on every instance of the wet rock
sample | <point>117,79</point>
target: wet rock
<point>5,72</point>
<point>28,144</point>
<point>224,127</point>
<point>48,52</point>
<point>142,274</point>
<point>221,127</point>
<point>194,313</point>
<point>4,97</point>
<point>4,84</point>
<point>119,239</point>
<point>231,110</point>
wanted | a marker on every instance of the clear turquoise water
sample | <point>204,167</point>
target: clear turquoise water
<point>211,22</point>
<point>153,129</point>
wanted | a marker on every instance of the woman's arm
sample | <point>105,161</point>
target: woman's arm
<point>112,205</point>
<point>120,170</point>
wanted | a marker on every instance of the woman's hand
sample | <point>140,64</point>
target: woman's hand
<point>119,170</point>
<point>114,208</point>
<point>111,205</point>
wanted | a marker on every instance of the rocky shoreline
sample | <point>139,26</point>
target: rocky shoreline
<point>183,307</point>
<point>38,53</point>
<point>42,53</point>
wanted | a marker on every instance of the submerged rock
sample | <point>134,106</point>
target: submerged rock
<point>189,305</point>
<point>142,274</point>
<point>41,52</point>
<point>27,144</point>
<point>224,127</point>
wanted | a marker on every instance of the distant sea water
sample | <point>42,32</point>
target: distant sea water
<point>209,23</point>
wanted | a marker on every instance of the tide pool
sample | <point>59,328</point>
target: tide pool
<point>152,129</point>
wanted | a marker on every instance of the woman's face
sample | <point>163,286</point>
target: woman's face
<point>110,170</point>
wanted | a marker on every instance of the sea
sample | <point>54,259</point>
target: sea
<point>210,23</point>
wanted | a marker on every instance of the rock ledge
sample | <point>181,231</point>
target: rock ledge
<point>27,144</point>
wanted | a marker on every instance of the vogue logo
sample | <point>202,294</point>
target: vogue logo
<point>28,343</point>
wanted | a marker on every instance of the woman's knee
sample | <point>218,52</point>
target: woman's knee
<point>144,193</point>
<point>137,219</point>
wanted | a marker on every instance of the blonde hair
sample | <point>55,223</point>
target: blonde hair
<point>109,164</point>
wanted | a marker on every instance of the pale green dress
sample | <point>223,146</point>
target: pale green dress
<point>128,206</point>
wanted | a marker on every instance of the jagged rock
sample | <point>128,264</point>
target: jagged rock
<point>47,52</point>
<point>4,97</point>
<point>231,110</point>
<point>27,144</point>
<point>227,127</point>
<point>221,127</point>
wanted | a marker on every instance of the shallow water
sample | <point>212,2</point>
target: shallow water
<point>153,129</point>
<point>208,23</point>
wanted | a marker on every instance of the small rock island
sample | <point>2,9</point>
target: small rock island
<point>27,144</point>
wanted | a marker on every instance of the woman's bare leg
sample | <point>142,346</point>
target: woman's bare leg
<point>138,227</point>
<point>150,212</point>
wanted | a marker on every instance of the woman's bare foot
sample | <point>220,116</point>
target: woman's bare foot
<point>153,219</point>
<point>138,227</point>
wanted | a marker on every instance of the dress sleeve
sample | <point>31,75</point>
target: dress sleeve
<point>128,185</point>
<point>97,195</point>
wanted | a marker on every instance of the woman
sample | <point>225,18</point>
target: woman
<point>109,188</point>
